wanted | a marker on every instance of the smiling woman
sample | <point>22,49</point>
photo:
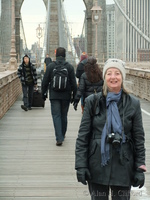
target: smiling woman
<point>33,13</point>
<point>110,147</point>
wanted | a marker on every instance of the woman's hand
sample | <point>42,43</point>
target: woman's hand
<point>75,104</point>
<point>83,175</point>
<point>139,178</point>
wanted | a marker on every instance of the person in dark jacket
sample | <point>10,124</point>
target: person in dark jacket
<point>91,81</point>
<point>60,100</point>
<point>80,71</point>
<point>80,67</point>
<point>28,77</point>
<point>47,61</point>
<point>110,150</point>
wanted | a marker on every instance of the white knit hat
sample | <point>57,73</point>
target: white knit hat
<point>116,63</point>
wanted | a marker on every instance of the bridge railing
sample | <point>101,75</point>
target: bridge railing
<point>10,89</point>
<point>142,57</point>
<point>137,82</point>
<point>4,67</point>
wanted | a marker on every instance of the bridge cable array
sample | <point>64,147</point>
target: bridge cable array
<point>132,24</point>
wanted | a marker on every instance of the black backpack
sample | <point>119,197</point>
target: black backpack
<point>60,77</point>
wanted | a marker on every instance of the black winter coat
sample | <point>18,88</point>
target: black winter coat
<point>22,73</point>
<point>87,88</point>
<point>80,69</point>
<point>119,171</point>
<point>71,83</point>
<point>47,61</point>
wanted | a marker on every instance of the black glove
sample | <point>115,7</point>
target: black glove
<point>83,175</point>
<point>75,103</point>
<point>139,178</point>
<point>72,100</point>
<point>44,96</point>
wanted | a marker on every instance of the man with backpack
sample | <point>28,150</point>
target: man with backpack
<point>60,78</point>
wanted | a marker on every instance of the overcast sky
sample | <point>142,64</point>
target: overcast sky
<point>34,13</point>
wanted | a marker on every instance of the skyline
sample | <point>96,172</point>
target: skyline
<point>32,17</point>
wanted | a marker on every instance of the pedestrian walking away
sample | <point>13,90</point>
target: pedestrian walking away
<point>110,147</point>
<point>91,81</point>
<point>81,64</point>
<point>47,61</point>
<point>80,71</point>
<point>28,77</point>
<point>60,78</point>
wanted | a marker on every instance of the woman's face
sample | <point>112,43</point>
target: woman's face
<point>113,79</point>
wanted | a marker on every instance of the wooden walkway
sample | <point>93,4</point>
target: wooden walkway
<point>32,167</point>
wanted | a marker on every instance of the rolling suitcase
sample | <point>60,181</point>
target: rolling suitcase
<point>37,99</point>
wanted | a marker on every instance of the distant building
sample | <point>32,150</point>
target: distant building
<point>110,10</point>
<point>128,42</point>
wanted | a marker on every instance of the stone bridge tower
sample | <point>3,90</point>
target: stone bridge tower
<point>53,37</point>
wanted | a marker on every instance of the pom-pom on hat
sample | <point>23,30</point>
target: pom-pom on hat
<point>84,56</point>
<point>116,63</point>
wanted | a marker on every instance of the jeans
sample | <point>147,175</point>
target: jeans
<point>27,95</point>
<point>59,110</point>
<point>101,192</point>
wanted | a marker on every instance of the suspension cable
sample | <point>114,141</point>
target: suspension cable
<point>22,28</point>
<point>47,27</point>
<point>69,36</point>
<point>132,24</point>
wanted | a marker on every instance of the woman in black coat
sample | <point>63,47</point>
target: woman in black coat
<point>110,151</point>
<point>91,81</point>
<point>81,64</point>
<point>80,71</point>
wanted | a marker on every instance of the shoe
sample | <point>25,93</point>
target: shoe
<point>29,108</point>
<point>24,108</point>
<point>58,143</point>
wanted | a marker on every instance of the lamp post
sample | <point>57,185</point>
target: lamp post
<point>96,17</point>
<point>13,60</point>
<point>39,34</point>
